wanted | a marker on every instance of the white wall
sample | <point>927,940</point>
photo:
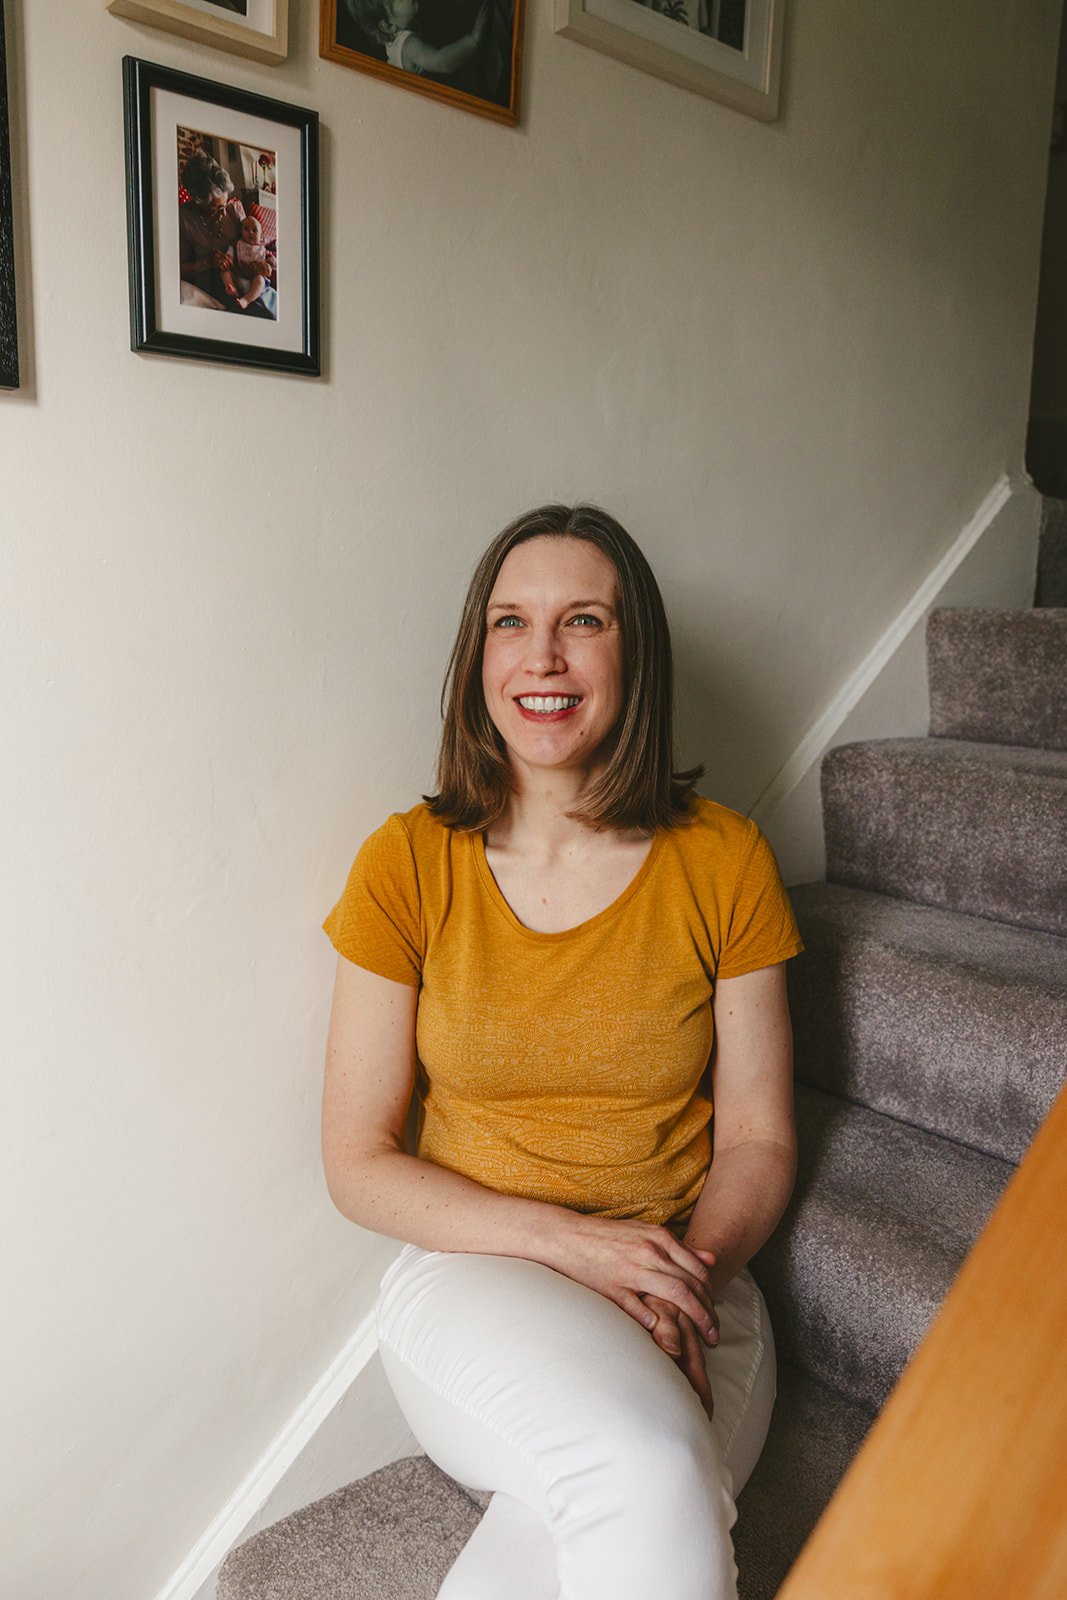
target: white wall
<point>793,358</point>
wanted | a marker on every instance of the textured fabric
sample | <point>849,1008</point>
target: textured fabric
<point>976,828</point>
<point>568,1067</point>
<point>515,1378</point>
<point>394,51</point>
<point>954,1023</point>
<point>879,1224</point>
<point>998,676</point>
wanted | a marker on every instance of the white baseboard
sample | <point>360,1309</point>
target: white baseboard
<point>347,1426</point>
<point>991,562</point>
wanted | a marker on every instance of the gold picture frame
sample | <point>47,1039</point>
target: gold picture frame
<point>258,29</point>
<point>490,81</point>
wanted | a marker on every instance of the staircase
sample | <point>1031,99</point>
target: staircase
<point>930,1019</point>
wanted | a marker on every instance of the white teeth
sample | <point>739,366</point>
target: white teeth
<point>548,702</point>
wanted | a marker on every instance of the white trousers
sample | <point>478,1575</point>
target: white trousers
<point>609,1482</point>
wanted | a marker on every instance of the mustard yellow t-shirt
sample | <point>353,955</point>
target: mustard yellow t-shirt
<point>567,1066</point>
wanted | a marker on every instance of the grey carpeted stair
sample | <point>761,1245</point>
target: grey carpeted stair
<point>390,1536</point>
<point>955,1023</point>
<point>999,675</point>
<point>814,1434</point>
<point>880,1221</point>
<point>978,828</point>
<point>930,1023</point>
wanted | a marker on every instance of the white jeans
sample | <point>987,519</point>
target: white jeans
<point>609,1482</point>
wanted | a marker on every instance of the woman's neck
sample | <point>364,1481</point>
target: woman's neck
<point>535,820</point>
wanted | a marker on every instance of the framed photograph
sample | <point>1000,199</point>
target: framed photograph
<point>729,50</point>
<point>467,53</point>
<point>222,206</point>
<point>9,333</point>
<point>256,28</point>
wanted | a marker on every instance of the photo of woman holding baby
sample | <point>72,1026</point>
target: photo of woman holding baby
<point>227,263</point>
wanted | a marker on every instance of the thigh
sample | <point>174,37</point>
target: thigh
<point>517,1380</point>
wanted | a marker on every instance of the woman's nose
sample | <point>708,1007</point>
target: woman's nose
<point>545,651</point>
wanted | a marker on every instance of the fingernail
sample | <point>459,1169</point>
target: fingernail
<point>650,1320</point>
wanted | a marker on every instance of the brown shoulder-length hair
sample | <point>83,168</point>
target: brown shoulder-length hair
<point>639,787</point>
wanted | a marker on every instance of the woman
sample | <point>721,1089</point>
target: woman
<point>548,948</point>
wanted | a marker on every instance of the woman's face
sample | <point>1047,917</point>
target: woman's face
<point>552,634</point>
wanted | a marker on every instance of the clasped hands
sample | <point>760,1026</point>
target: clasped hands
<point>654,1278</point>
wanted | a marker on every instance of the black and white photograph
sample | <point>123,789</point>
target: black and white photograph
<point>9,339</point>
<point>723,20</point>
<point>255,28</point>
<point>465,52</point>
<point>727,50</point>
<point>222,196</point>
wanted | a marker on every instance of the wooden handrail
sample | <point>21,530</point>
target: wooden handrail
<point>960,1489</point>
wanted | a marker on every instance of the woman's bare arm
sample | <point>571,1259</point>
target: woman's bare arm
<point>755,1150</point>
<point>754,1164</point>
<point>370,1068</point>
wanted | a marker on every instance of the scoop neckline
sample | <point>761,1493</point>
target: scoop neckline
<point>640,877</point>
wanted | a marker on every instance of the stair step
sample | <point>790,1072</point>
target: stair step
<point>814,1435</point>
<point>390,1536</point>
<point>998,676</point>
<point>977,828</point>
<point>879,1224</point>
<point>953,1023</point>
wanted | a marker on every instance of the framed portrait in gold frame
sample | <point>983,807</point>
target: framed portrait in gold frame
<point>467,53</point>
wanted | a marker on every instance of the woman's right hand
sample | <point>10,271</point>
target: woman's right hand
<point>623,1260</point>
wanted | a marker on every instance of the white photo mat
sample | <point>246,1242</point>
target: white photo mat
<point>260,16</point>
<point>745,79</point>
<point>170,112</point>
<point>261,33</point>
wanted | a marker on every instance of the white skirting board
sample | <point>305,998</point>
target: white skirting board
<point>350,1424</point>
<point>991,563</point>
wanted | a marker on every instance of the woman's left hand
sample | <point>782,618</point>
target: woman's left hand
<point>677,1336</point>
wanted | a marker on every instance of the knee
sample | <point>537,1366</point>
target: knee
<point>668,1468</point>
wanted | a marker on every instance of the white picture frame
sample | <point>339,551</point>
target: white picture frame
<point>674,47</point>
<point>260,30</point>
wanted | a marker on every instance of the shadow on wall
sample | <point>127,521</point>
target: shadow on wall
<point>719,721</point>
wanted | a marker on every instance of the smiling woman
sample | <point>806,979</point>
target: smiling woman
<point>547,951</point>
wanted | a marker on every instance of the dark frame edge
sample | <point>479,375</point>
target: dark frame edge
<point>10,374</point>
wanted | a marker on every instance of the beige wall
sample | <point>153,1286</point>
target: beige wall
<point>793,358</point>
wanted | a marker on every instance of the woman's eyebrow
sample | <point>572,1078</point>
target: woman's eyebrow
<point>572,605</point>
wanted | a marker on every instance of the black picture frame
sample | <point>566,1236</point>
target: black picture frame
<point>141,80</point>
<point>9,333</point>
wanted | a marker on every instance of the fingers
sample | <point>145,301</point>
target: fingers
<point>692,1298</point>
<point>665,1333</point>
<point>691,1362</point>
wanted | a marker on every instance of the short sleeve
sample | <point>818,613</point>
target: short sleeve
<point>762,929</point>
<point>376,923</point>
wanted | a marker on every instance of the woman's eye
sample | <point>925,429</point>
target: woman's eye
<point>503,622</point>
<point>585,617</point>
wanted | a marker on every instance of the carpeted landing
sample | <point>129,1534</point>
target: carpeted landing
<point>930,1018</point>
